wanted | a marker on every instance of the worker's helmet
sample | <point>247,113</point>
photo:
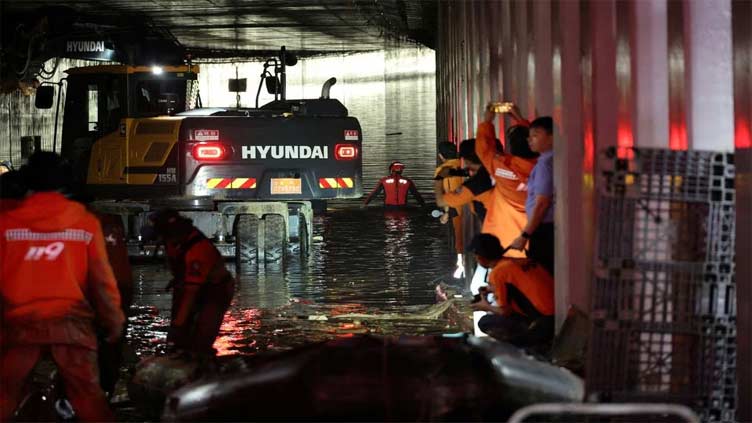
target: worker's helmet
<point>396,166</point>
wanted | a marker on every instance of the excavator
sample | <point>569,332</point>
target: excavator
<point>245,176</point>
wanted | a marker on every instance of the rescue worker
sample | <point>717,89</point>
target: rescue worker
<point>510,172</point>
<point>540,197</point>
<point>524,295</point>
<point>475,190</point>
<point>447,153</point>
<point>202,288</point>
<point>395,188</point>
<point>56,283</point>
<point>478,190</point>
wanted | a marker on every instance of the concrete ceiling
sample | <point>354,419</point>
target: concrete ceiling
<point>231,28</point>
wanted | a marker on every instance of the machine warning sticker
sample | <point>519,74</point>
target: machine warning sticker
<point>206,134</point>
<point>351,135</point>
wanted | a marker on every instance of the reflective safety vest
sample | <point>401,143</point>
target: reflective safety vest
<point>395,190</point>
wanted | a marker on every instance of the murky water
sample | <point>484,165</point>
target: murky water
<point>362,261</point>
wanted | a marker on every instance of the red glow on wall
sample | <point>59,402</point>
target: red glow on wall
<point>589,159</point>
<point>742,134</point>
<point>678,137</point>
<point>624,141</point>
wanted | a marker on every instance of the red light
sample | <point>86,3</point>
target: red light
<point>345,151</point>
<point>209,151</point>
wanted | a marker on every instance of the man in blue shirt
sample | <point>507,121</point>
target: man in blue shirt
<point>539,206</point>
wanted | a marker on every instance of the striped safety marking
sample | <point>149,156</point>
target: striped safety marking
<point>231,183</point>
<point>335,183</point>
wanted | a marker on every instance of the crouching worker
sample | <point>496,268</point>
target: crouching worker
<point>202,288</point>
<point>524,293</point>
<point>56,284</point>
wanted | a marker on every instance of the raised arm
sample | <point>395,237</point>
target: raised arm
<point>485,141</point>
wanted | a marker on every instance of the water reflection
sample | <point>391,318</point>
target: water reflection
<point>366,261</point>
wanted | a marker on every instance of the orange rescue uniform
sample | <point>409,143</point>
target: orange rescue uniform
<point>56,282</point>
<point>506,212</point>
<point>197,265</point>
<point>531,280</point>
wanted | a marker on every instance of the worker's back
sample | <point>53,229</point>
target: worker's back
<point>49,255</point>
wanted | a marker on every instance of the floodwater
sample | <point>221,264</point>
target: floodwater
<point>367,261</point>
<point>370,261</point>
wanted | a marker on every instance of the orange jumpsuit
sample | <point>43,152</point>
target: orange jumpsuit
<point>531,280</point>
<point>198,266</point>
<point>506,212</point>
<point>450,184</point>
<point>56,283</point>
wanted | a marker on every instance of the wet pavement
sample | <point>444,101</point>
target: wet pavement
<point>362,261</point>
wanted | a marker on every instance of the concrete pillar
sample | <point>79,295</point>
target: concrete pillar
<point>710,105</point>
<point>743,278</point>
<point>544,85</point>
<point>676,78</point>
<point>495,44</point>
<point>650,74</point>
<point>605,94</point>
<point>572,279</point>
<point>521,40</point>
<point>464,54</point>
<point>742,38</point>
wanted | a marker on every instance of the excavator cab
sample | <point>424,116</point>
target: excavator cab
<point>101,101</point>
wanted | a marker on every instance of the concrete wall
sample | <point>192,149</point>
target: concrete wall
<point>19,117</point>
<point>666,74</point>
